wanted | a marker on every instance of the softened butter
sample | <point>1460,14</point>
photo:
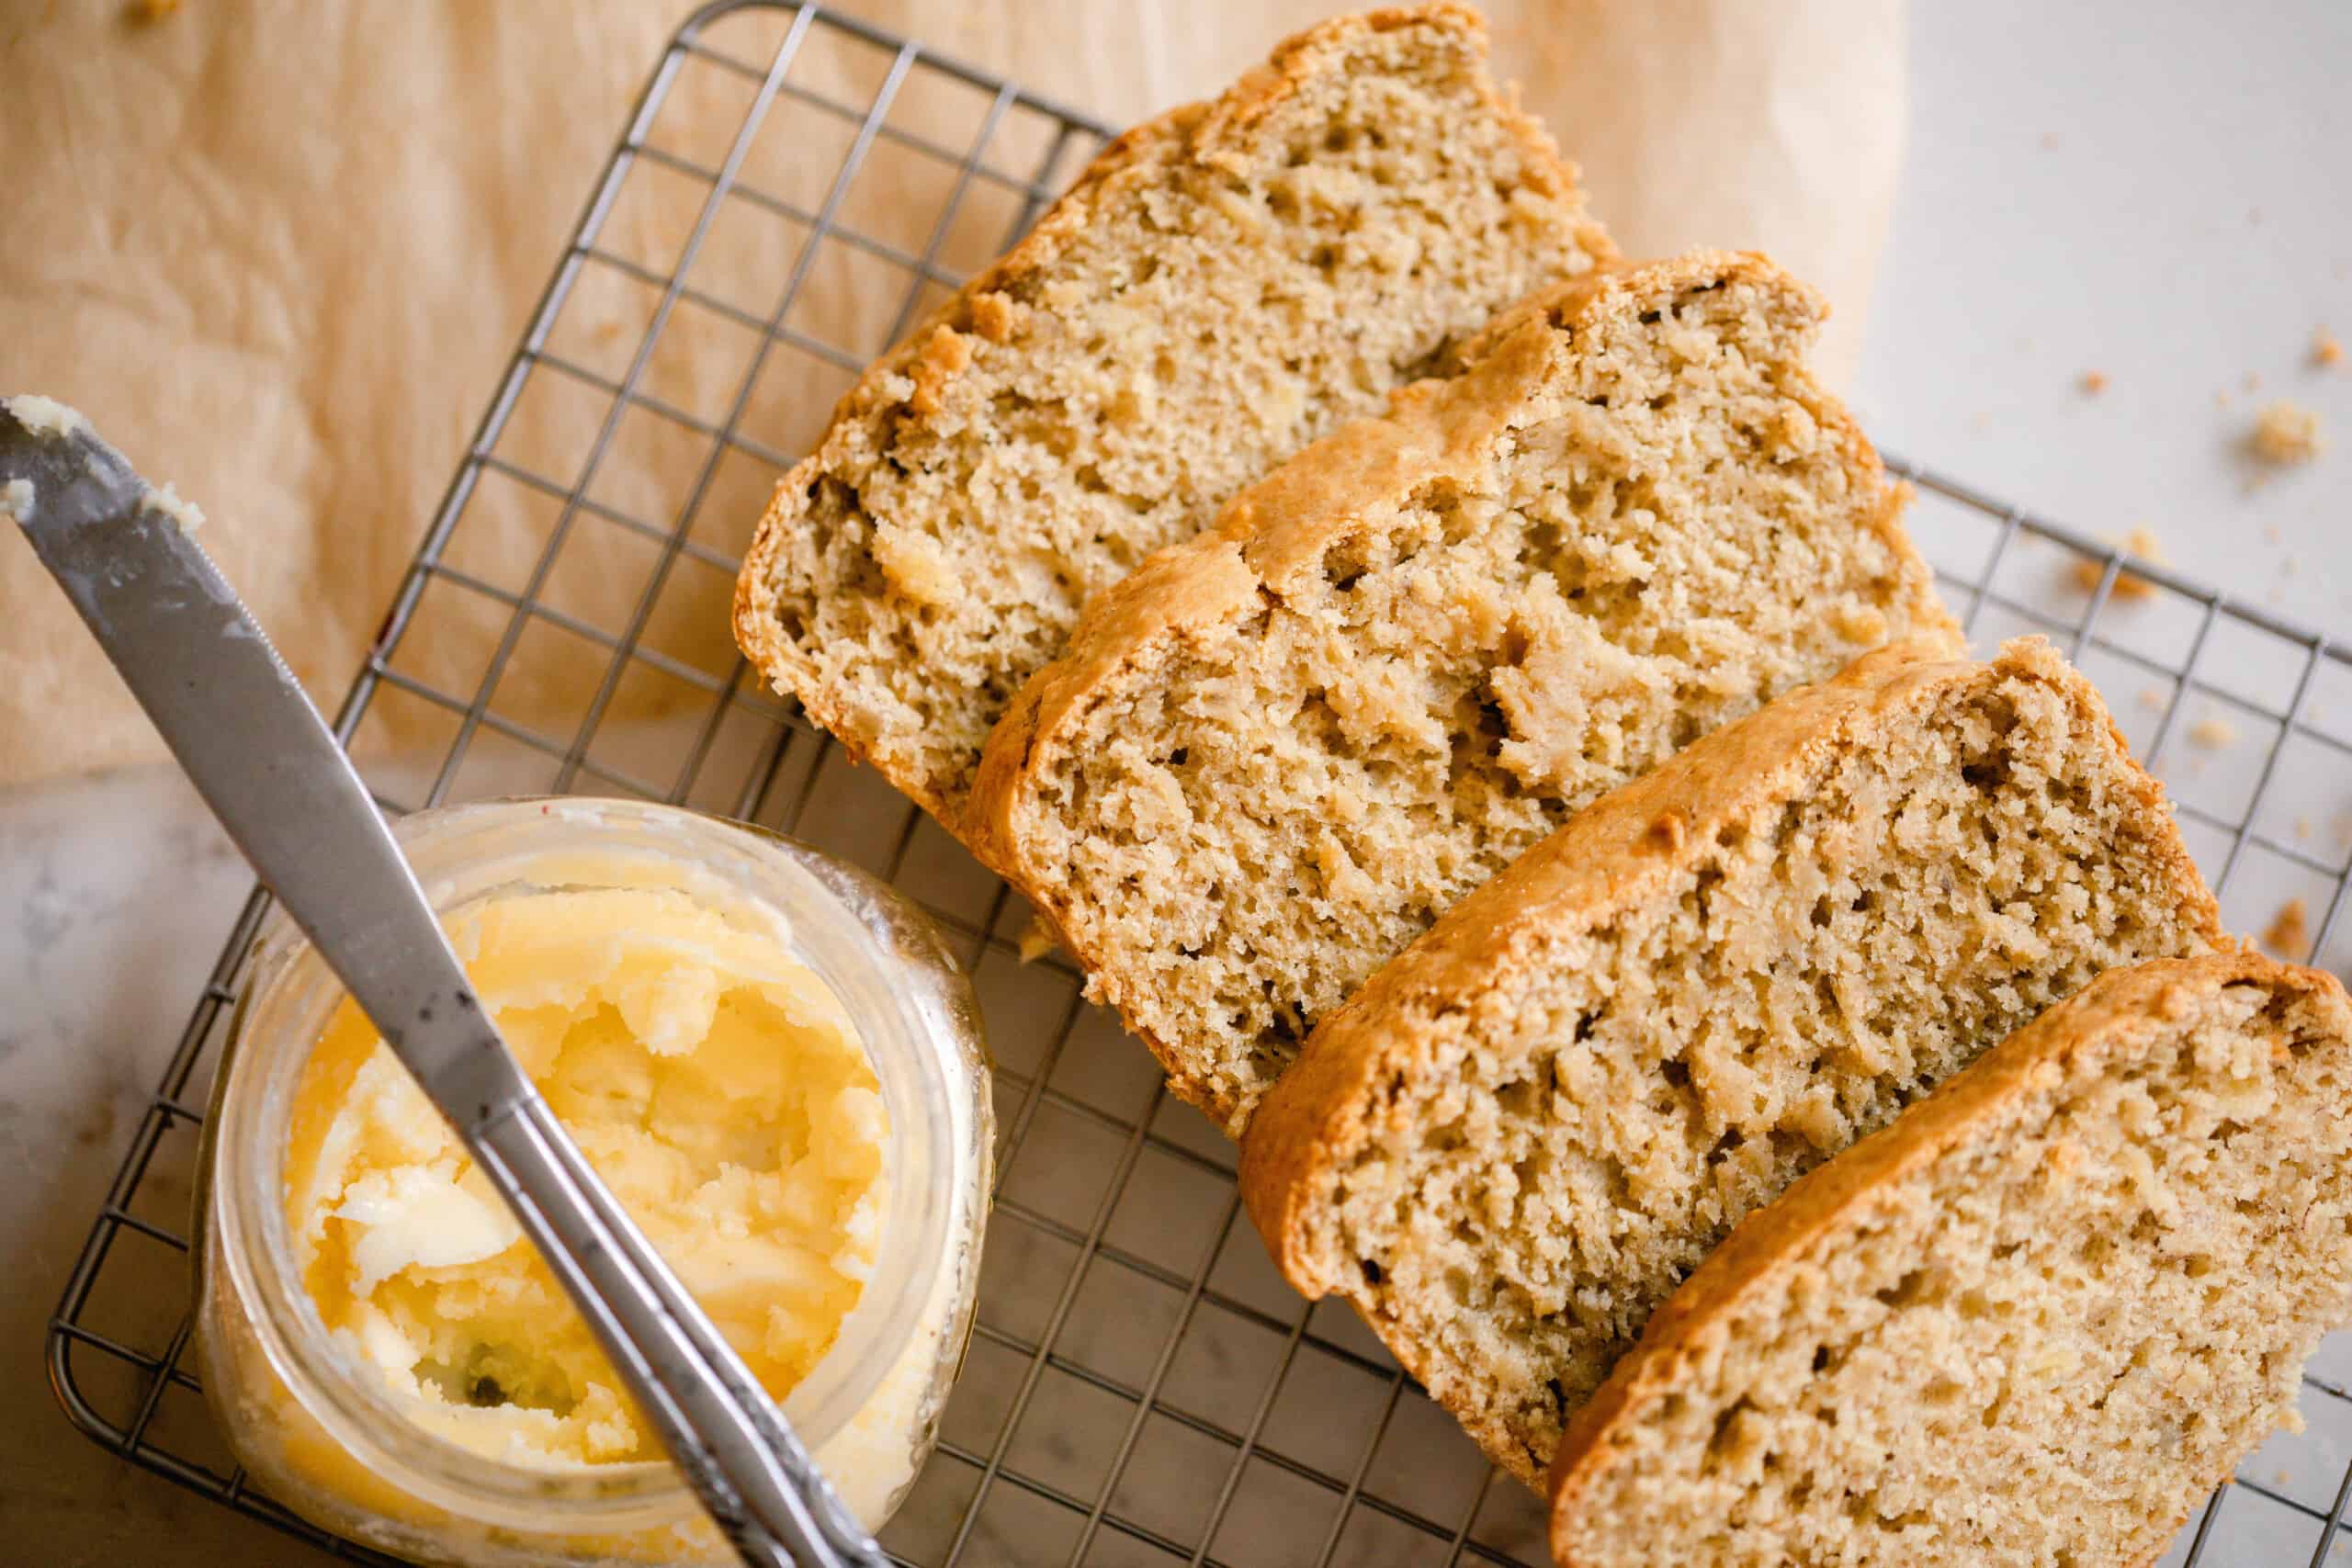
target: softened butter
<point>715,1084</point>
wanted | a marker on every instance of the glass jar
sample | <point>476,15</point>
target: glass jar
<point>325,1433</point>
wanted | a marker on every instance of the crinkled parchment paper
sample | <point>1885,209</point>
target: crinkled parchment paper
<point>280,251</point>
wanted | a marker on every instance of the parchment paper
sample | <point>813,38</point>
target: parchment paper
<point>280,253</point>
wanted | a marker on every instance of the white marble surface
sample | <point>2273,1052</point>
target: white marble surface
<point>2152,192</point>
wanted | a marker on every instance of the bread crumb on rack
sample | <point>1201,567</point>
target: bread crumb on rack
<point>2289,935</point>
<point>1037,940</point>
<point>2094,383</point>
<point>2326,352</point>
<point>2141,543</point>
<point>2212,733</point>
<point>2285,433</point>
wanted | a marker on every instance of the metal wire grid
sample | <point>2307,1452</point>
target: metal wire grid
<point>1141,1388</point>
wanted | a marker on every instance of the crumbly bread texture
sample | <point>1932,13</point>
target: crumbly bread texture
<point>1225,285</point>
<point>1525,1132</point>
<point>1278,752</point>
<point>2032,1323</point>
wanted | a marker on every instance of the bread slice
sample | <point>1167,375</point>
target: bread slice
<point>1274,755</point>
<point>2035,1321</point>
<point>1526,1131</point>
<point>1225,284</point>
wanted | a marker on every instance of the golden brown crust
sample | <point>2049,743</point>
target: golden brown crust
<point>2122,1011</point>
<point>983,317</point>
<point>1606,858</point>
<point>1285,523</point>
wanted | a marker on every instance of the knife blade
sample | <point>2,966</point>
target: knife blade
<point>269,768</point>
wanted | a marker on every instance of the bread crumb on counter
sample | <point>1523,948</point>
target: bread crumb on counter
<point>2142,544</point>
<point>1037,940</point>
<point>2212,733</point>
<point>2326,352</point>
<point>2154,698</point>
<point>2287,937</point>
<point>2285,433</point>
<point>2094,382</point>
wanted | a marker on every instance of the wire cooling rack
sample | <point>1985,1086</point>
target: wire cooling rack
<point>1141,1387</point>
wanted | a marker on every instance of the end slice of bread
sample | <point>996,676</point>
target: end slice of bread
<point>2035,1321</point>
<point>1514,1143</point>
<point>1225,285</point>
<point>1278,752</point>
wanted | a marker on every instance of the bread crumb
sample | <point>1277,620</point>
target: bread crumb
<point>1037,940</point>
<point>994,317</point>
<point>2253,381</point>
<point>2154,698</point>
<point>2326,352</point>
<point>2094,383</point>
<point>2212,733</point>
<point>2140,543</point>
<point>45,416</point>
<point>2285,433</point>
<point>2270,534</point>
<point>17,500</point>
<point>171,504</point>
<point>2302,828</point>
<point>2288,934</point>
<point>945,355</point>
<point>2221,398</point>
<point>2050,142</point>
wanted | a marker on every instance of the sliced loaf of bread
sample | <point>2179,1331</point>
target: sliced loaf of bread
<point>1225,285</point>
<point>1278,752</point>
<point>2033,1321</point>
<point>1515,1141</point>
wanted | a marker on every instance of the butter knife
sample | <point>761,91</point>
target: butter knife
<point>267,766</point>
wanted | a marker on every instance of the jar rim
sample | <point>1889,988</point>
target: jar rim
<point>853,933</point>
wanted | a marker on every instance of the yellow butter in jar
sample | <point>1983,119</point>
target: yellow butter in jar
<point>716,1085</point>
<point>769,1059</point>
